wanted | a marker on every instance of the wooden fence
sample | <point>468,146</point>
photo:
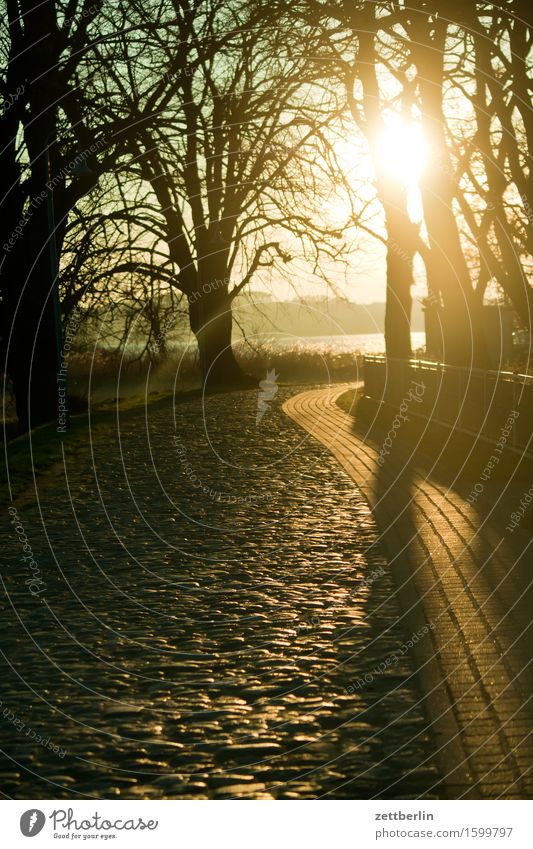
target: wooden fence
<point>474,401</point>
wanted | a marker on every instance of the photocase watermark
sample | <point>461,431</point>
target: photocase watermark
<point>173,76</point>
<point>10,716</point>
<point>527,208</point>
<point>197,483</point>
<point>66,820</point>
<point>71,329</point>
<point>401,416</point>
<point>433,299</point>
<point>217,239</point>
<point>33,205</point>
<point>11,99</point>
<point>364,584</point>
<point>186,70</point>
<point>314,621</point>
<point>494,459</point>
<point>207,288</point>
<point>160,338</point>
<point>401,253</point>
<point>518,515</point>
<point>268,389</point>
<point>89,11</point>
<point>66,824</point>
<point>32,822</point>
<point>390,661</point>
<point>34,582</point>
<point>309,623</point>
<point>38,200</point>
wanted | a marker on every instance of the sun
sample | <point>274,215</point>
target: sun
<point>401,151</point>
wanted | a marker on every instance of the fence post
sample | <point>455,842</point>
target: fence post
<point>485,411</point>
<point>459,411</point>
<point>514,410</point>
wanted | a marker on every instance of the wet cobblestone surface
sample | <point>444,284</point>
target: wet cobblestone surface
<point>212,588</point>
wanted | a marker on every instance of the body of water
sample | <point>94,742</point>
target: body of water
<point>366,343</point>
<point>361,343</point>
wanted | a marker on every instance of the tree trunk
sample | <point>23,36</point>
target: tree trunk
<point>462,329</point>
<point>30,329</point>
<point>507,268</point>
<point>31,344</point>
<point>462,344</point>
<point>210,313</point>
<point>402,235</point>
<point>31,333</point>
<point>392,194</point>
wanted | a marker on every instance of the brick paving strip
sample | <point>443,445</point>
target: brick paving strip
<point>454,569</point>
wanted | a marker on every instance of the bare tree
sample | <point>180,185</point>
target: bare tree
<point>475,187</point>
<point>402,232</point>
<point>352,51</point>
<point>241,159</point>
<point>115,268</point>
<point>42,148</point>
<point>493,152</point>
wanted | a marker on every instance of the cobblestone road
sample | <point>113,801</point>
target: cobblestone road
<point>209,590</point>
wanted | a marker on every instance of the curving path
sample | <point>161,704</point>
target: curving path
<point>213,586</point>
<point>473,582</point>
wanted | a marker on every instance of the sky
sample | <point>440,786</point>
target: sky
<point>402,152</point>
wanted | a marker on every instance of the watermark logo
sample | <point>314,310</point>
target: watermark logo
<point>494,459</point>
<point>32,822</point>
<point>34,581</point>
<point>268,391</point>
<point>413,395</point>
<point>65,820</point>
<point>390,661</point>
<point>520,512</point>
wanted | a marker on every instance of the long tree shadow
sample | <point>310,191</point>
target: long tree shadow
<point>391,492</point>
<point>390,483</point>
<point>478,574</point>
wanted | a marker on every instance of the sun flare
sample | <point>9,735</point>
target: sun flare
<point>401,151</point>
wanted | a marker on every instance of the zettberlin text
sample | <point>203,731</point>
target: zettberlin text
<point>399,815</point>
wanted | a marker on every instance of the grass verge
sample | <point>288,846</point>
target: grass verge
<point>39,450</point>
